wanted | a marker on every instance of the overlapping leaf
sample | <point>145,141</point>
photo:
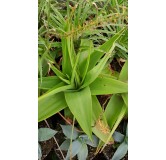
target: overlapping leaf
<point>80,104</point>
<point>50,106</point>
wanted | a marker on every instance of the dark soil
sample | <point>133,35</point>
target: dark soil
<point>50,149</point>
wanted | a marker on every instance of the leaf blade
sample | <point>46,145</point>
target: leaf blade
<point>75,148</point>
<point>106,47</point>
<point>67,130</point>
<point>101,130</point>
<point>107,85</point>
<point>48,82</point>
<point>120,152</point>
<point>83,153</point>
<point>113,109</point>
<point>45,134</point>
<point>50,106</point>
<point>80,104</point>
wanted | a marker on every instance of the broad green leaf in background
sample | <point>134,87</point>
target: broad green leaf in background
<point>80,104</point>
<point>107,85</point>
<point>50,106</point>
<point>120,152</point>
<point>67,130</point>
<point>45,134</point>
<point>83,153</point>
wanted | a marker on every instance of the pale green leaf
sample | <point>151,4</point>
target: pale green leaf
<point>118,137</point>
<point>67,131</point>
<point>83,153</point>
<point>65,145</point>
<point>45,134</point>
<point>94,142</point>
<point>120,152</point>
<point>74,149</point>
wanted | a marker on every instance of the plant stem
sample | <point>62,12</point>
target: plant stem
<point>55,141</point>
<point>71,139</point>
<point>68,122</point>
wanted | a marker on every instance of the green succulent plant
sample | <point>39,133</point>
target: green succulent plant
<point>78,83</point>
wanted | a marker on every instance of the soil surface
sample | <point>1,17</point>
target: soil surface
<point>50,149</point>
